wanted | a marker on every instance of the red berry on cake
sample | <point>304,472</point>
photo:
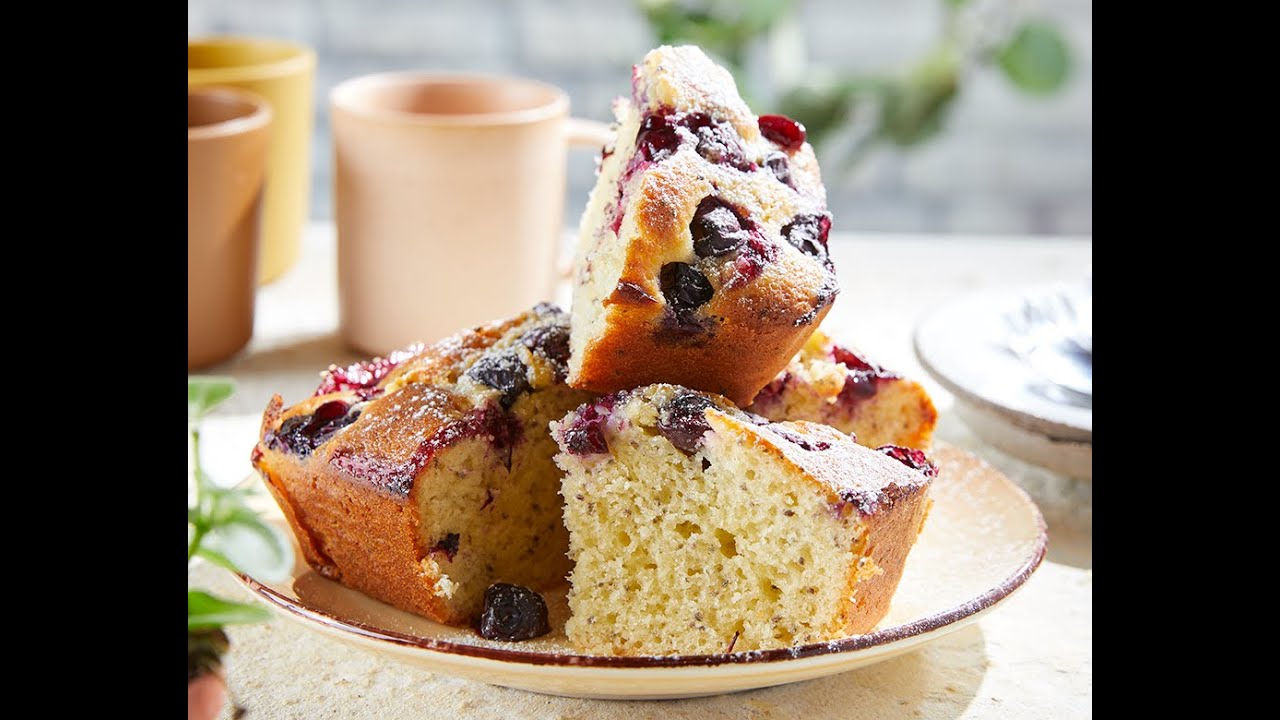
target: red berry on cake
<point>838,386</point>
<point>424,479</point>
<point>696,527</point>
<point>702,258</point>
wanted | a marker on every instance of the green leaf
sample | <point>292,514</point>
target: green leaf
<point>915,108</point>
<point>240,541</point>
<point>956,3</point>
<point>204,392</point>
<point>1036,58</point>
<point>206,611</point>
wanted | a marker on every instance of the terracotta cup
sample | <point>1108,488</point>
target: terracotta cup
<point>284,74</point>
<point>227,139</point>
<point>448,196</point>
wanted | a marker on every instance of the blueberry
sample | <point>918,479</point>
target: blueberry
<point>504,373</point>
<point>549,341</point>
<point>717,228</point>
<point>512,612</point>
<point>781,169</point>
<point>302,434</point>
<point>717,140</point>
<point>808,233</point>
<point>684,288</point>
<point>447,545</point>
<point>684,422</point>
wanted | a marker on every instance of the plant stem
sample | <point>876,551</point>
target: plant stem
<point>200,527</point>
<point>195,543</point>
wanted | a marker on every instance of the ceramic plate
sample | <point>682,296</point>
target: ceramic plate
<point>963,346</point>
<point>983,539</point>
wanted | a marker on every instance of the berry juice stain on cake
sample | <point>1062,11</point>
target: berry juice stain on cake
<point>702,528</point>
<point>436,462</point>
<point>689,210</point>
<point>836,385</point>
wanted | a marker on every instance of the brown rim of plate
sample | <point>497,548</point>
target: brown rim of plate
<point>856,642</point>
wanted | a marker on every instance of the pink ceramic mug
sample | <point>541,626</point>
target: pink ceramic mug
<point>448,196</point>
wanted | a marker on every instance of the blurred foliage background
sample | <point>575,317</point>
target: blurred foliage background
<point>903,107</point>
<point>967,116</point>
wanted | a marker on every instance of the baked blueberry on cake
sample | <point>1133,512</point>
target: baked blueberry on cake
<point>696,527</point>
<point>838,386</point>
<point>424,478</point>
<point>702,258</point>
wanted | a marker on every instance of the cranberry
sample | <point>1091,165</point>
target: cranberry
<point>864,377</point>
<point>512,612</point>
<point>751,261</point>
<point>717,228</point>
<point>684,288</point>
<point>504,373</point>
<point>586,435</point>
<point>808,233</point>
<point>658,137</point>
<point>854,361</point>
<point>364,376</point>
<point>781,169</point>
<point>910,457</point>
<point>447,545</point>
<point>302,434</point>
<point>718,142</point>
<point>683,421</point>
<point>782,131</point>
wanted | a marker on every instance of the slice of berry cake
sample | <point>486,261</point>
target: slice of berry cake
<point>423,478</point>
<point>837,386</point>
<point>702,257</point>
<point>696,527</point>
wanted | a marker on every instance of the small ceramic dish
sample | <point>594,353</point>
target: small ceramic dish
<point>965,346</point>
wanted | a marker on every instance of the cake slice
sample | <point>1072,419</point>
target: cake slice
<point>702,257</point>
<point>423,478</point>
<point>835,385</point>
<point>696,527</point>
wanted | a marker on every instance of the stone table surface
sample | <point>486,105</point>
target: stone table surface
<point>1030,658</point>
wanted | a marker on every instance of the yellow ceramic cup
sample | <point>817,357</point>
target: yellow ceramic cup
<point>284,74</point>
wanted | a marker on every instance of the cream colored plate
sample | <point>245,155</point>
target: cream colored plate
<point>983,539</point>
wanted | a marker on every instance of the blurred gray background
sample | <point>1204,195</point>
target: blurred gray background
<point>1006,162</point>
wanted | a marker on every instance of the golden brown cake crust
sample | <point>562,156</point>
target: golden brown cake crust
<point>367,540</point>
<point>891,498</point>
<point>354,501</point>
<point>632,355</point>
<point>766,293</point>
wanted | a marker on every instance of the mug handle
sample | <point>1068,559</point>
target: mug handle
<point>588,133</point>
<point>581,132</point>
